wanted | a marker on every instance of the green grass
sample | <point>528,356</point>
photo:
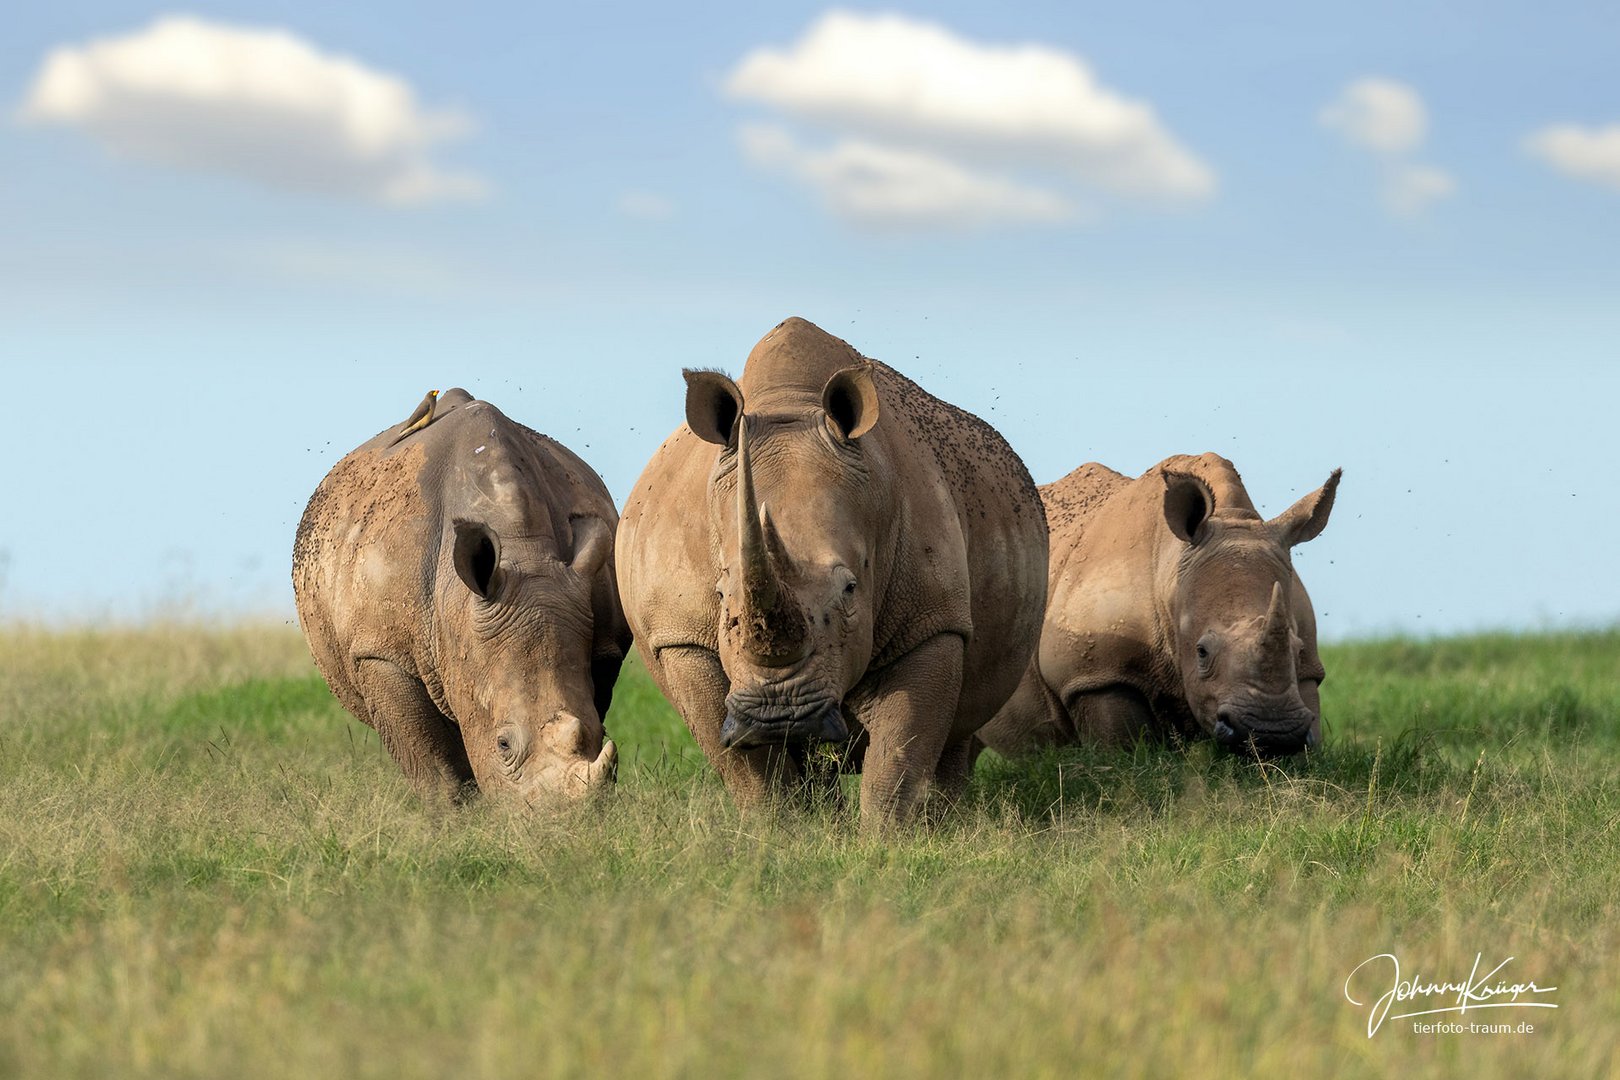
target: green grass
<point>207,868</point>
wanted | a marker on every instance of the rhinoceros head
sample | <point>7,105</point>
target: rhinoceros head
<point>793,515</point>
<point>1244,632</point>
<point>515,641</point>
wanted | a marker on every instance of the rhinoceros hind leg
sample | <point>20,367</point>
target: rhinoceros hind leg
<point>955,767</point>
<point>426,744</point>
<point>1113,716</point>
<point>908,714</point>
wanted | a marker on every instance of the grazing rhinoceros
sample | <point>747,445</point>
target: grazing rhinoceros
<point>456,587</point>
<point>827,552</point>
<point>1173,608</point>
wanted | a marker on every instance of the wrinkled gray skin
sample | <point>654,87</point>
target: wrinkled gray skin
<point>827,553</point>
<point>1174,608</point>
<point>457,592</point>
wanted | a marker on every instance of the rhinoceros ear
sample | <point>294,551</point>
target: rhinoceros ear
<point>1306,519</point>
<point>851,400</point>
<point>592,542</point>
<point>477,556</point>
<point>713,403</point>
<point>1188,502</point>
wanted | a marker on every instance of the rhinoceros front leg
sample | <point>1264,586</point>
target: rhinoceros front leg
<point>1310,692</point>
<point>696,685</point>
<point>1112,716</point>
<point>1031,719</point>
<point>426,744</point>
<point>909,711</point>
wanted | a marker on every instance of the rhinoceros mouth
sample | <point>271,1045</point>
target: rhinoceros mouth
<point>1266,739</point>
<point>754,719</point>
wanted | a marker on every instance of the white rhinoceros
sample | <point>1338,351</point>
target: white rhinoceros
<point>826,552</point>
<point>1173,607</point>
<point>456,587</point>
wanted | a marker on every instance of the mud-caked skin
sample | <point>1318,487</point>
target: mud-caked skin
<point>457,590</point>
<point>1173,609</point>
<point>825,552</point>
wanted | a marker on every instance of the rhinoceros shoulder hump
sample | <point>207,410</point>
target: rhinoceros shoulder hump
<point>973,457</point>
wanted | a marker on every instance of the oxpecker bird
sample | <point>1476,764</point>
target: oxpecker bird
<point>421,418</point>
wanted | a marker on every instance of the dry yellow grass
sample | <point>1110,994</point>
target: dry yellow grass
<point>206,869</point>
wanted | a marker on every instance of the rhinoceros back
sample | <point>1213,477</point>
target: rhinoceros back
<point>973,458</point>
<point>1002,525</point>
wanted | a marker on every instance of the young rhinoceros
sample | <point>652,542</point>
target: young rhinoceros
<point>456,587</point>
<point>827,552</point>
<point>1173,608</point>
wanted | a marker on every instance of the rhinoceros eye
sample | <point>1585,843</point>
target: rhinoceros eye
<point>844,582</point>
<point>1205,653</point>
<point>510,745</point>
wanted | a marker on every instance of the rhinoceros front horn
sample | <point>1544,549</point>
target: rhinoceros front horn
<point>605,769</point>
<point>772,626</point>
<point>588,777</point>
<point>759,583</point>
<point>1277,633</point>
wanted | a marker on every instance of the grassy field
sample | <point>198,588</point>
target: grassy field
<point>206,868</point>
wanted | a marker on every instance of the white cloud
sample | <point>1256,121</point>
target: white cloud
<point>876,185</point>
<point>1409,189</point>
<point>1591,154</point>
<point>259,104</point>
<point>914,91</point>
<point>1381,115</point>
<point>646,205</point>
<point>1389,119</point>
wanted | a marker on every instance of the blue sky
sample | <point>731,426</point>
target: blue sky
<point>1377,236</point>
